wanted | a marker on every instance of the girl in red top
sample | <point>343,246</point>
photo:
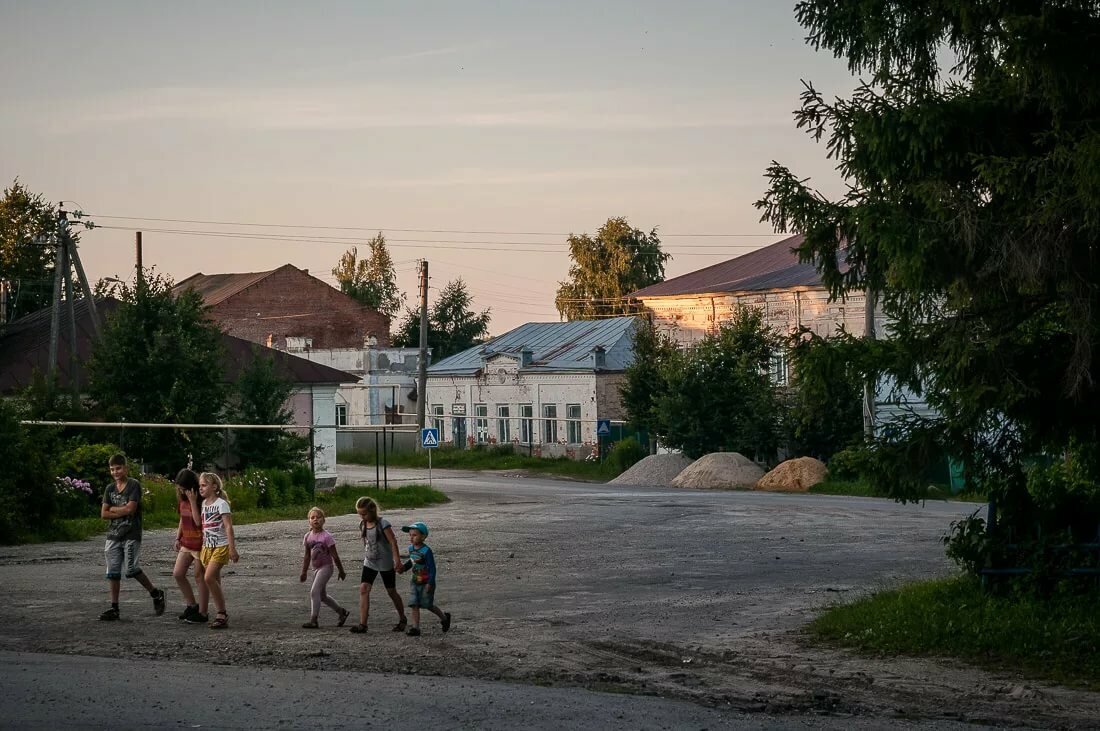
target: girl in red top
<point>188,545</point>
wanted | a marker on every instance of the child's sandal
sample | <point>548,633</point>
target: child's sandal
<point>310,625</point>
<point>221,621</point>
<point>343,618</point>
<point>359,629</point>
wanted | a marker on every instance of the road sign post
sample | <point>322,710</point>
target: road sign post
<point>429,440</point>
<point>603,429</point>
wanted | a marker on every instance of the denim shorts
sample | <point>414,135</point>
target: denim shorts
<point>421,596</point>
<point>122,555</point>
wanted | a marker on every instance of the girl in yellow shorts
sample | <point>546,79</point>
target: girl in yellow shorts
<point>219,545</point>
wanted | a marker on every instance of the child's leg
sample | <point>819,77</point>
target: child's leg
<point>204,592</point>
<point>364,602</point>
<point>113,552</point>
<point>179,573</point>
<point>390,582</point>
<point>317,594</point>
<point>213,575</point>
<point>437,612</point>
<point>116,585</point>
<point>415,612</point>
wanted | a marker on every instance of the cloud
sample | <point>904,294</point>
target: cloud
<point>353,108</point>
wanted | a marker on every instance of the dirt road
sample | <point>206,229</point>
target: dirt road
<point>691,595</point>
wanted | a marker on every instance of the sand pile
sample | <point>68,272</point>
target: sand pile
<point>794,475</point>
<point>720,470</point>
<point>656,470</point>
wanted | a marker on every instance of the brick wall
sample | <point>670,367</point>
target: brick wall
<point>609,398</point>
<point>290,303</point>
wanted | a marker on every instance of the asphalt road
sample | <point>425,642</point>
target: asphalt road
<point>561,592</point>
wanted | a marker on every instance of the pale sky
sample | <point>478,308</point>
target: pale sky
<point>533,119</point>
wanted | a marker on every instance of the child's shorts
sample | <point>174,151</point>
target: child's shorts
<point>210,555</point>
<point>122,554</point>
<point>421,596</point>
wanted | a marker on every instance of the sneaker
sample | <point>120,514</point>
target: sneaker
<point>446,621</point>
<point>359,629</point>
<point>197,617</point>
<point>413,632</point>
<point>400,626</point>
<point>159,601</point>
<point>110,615</point>
<point>188,612</point>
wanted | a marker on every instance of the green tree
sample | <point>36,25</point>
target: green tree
<point>644,380</point>
<point>824,409</point>
<point>973,209</point>
<point>718,396</point>
<point>262,398</point>
<point>28,501</point>
<point>605,269</point>
<point>27,227</point>
<point>453,325</point>
<point>371,281</point>
<point>160,360</point>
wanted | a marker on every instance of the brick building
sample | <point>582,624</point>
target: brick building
<point>288,309</point>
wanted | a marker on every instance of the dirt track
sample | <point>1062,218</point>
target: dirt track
<point>684,594</point>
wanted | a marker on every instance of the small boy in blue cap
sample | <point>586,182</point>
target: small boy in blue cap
<point>422,594</point>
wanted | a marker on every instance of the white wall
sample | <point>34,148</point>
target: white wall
<point>385,374</point>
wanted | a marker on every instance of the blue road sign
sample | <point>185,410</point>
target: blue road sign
<point>429,438</point>
<point>603,427</point>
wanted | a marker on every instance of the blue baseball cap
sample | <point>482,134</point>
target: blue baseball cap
<point>418,525</point>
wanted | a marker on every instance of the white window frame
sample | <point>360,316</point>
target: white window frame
<point>437,410</point>
<point>481,423</point>
<point>573,423</point>
<point>549,423</point>
<point>504,425</point>
<point>341,414</point>
<point>526,423</point>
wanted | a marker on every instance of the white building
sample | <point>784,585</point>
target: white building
<point>386,390</point>
<point>542,385</point>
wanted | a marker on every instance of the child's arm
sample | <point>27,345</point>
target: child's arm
<point>227,518</point>
<point>396,551</point>
<point>305,563</point>
<point>336,560</point>
<point>429,562</point>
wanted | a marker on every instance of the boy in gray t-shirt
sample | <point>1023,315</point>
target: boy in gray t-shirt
<point>122,507</point>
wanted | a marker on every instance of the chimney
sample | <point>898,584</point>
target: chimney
<point>599,358</point>
<point>525,357</point>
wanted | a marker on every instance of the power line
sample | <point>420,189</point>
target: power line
<point>406,230</point>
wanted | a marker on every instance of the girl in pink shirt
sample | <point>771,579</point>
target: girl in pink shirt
<point>320,549</point>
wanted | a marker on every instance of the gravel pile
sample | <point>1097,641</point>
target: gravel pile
<point>794,475</point>
<point>720,470</point>
<point>656,470</point>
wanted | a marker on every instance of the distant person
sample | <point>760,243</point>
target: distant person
<point>422,594</point>
<point>189,547</point>
<point>219,545</point>
<point>122,506</point>
<point>381,556</point>
<point>321,552</point>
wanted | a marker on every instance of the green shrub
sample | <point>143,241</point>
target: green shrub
<point>848,464</point>
<point>625,453</point>
<point>158,494</point>
<point>28,495</point>
<point>76,498</point>
<point>88,462</point>
<point>302,476</point>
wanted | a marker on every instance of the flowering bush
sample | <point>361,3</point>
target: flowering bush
<point>75,497</point>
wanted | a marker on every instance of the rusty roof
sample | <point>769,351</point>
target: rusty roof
<point>771,267</point>
<point>216,288</point>
<point>25,348</point>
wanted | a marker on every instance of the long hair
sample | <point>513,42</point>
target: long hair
<point>216,481</point>
<point>186,480</point>
<point>371,507</point>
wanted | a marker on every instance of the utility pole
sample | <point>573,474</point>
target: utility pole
<point>869,384</point>
<point>137,257</point>
<point>422,375</point>
<point>65,259</point>
<point>60,245</point>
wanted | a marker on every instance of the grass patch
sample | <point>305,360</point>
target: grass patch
<point>340,501</point>
<point>860,488</point>
<point>1056,639</point>
<point>492,458</point>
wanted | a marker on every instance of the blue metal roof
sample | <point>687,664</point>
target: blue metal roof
<point>554,346</point>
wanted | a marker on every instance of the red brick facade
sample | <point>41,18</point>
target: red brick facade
<point>290,303</point>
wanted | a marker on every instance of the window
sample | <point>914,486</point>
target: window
<point>573,423</point>
<point>549,423</point>
<point>341,414</point>
<point>504,427</point>
<point>777,369</point>
<point>481,423</point>
<point>437,411</point>
<point>526,423</point>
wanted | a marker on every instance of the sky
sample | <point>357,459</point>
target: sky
<point>474,134</point>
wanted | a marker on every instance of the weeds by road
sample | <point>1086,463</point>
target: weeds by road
<point>490,459</point>
<point>860,488</point>
<point>1056,639</point>
<point>336,502</point>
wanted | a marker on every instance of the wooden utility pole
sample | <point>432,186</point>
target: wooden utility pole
<point>137,257</point>
<point>869,384</point>
<point>65,259</point>
<point>60,245</point>
<point>422,375</point>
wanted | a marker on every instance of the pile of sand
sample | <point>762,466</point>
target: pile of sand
<point>720,470</point>
<point>656,470</point>
<point>794,475</point>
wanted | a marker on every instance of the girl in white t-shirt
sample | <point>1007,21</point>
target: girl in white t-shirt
<point>381,557</point>
<point>219,545</point>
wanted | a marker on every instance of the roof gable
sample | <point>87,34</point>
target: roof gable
<point>217,288</point>
<point>770,267</point>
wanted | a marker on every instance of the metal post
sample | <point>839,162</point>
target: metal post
<point>313,451</point>
<point>137,259</point>
<point>377,476</point>
<point>422,371</point>
<point>869,385</point>
<point>385,466</point>
<point>227,454</point>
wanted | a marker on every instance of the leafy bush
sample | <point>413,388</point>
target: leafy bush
<point>848,464</point>
<point>256,488</point>
<point>302,476</point>
<point>76,498</point>
<point>28,497</point>
<point>88,462</point>
<point>158,494</point>
<point>625,453</point>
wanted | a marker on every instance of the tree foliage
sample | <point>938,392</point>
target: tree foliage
<point>371,281</point>
<point>27,227</point>
<point>973,207</point>
<point>619,260</point>
<point>28,500</point>
<point>453,325</point>
<point>644,380</point>
<point>261,398</point>
<point>160,360</point>
<point>824,404</point>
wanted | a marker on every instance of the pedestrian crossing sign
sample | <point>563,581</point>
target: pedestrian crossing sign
<point>603,427</point>
<point>429,438</point>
